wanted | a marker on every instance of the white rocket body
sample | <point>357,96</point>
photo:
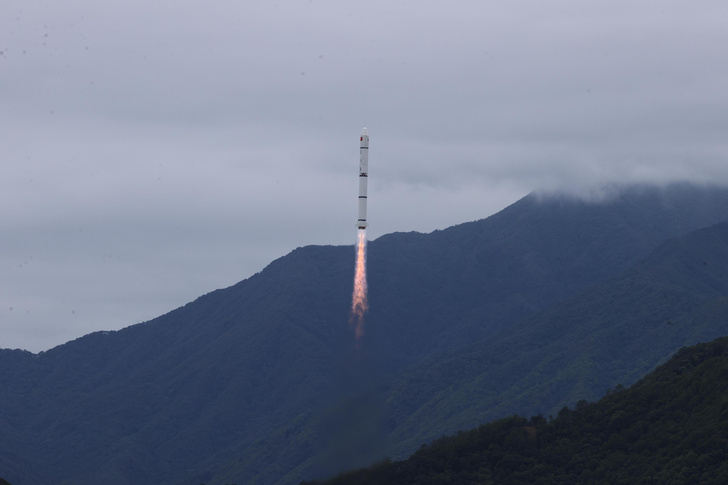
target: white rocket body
<point>361,223</point>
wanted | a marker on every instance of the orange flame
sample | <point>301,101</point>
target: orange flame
<point>359,298</point>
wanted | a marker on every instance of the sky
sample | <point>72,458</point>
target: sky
<point>152,152</point>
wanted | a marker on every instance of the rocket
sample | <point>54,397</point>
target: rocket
<point>361,223</point>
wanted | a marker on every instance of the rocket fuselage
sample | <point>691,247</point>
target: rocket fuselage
<point>361,222</point>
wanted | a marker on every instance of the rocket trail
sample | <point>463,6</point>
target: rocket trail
<point>359,304</point>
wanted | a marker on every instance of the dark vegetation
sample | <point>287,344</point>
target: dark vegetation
<point>612,333</point>
<point>669,428</point>
<point>549,302</point>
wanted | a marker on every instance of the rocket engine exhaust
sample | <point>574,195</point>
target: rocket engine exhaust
<point>359,298</point>
<point>359,303</point>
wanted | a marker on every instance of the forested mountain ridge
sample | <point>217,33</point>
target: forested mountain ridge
<point>244,384</point>
<point>513,371</point>
<point>670,427</point>
<point>610,334</point>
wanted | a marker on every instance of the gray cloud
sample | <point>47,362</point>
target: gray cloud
<point>154,152</point>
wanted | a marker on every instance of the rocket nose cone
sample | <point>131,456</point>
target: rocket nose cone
<point>364,131</point>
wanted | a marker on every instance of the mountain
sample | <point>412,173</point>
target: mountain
<point>670,427</point>
<point>262,383</point>
<point>467,282</point>
<point>610,334</point>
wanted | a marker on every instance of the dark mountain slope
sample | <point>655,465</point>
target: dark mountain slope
<point>671,427</point>
<point>458,390</point>
<point>272,356</point>
<point>610,334</point>
<point>150,402</point>
<point>466,282</point>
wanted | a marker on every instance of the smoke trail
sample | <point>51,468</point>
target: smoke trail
<point>359,298</point>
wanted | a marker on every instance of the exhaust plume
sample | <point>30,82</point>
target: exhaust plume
<point>359,304</point>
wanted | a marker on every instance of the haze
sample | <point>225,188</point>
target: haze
<point>153,152</point>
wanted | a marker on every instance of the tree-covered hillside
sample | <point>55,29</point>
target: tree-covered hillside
<point>669,428</point>
<point>262,382</point>
<point>610,334</point>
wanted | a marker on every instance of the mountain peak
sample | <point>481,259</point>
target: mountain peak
<point>507,304</point>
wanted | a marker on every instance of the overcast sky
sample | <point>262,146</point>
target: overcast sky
<point>155,151</point>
